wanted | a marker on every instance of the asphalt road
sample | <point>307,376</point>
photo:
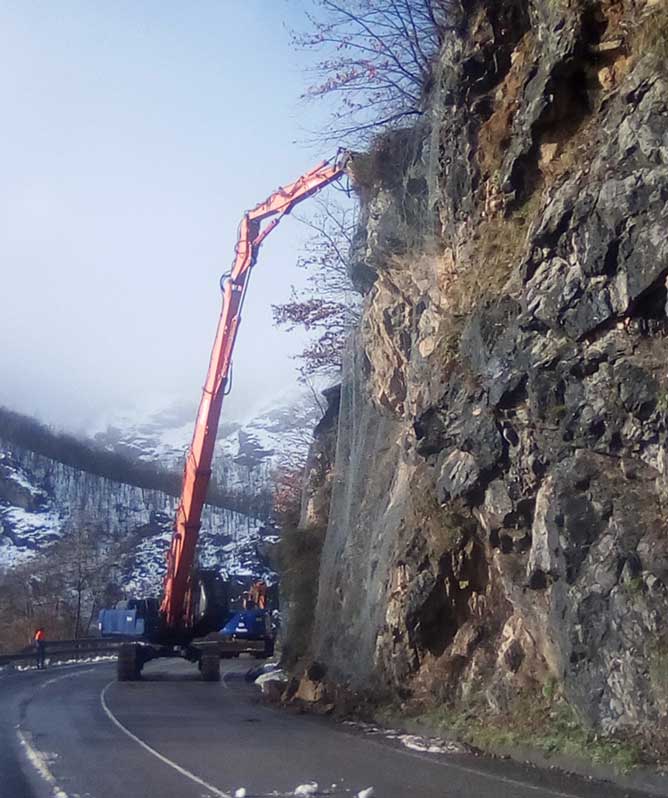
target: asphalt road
<point>77,733</point>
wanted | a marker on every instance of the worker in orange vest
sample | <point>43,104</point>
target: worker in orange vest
<point>40,647</point>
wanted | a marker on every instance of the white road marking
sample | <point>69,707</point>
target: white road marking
<point>39,762</point>
<point>65,676</point>
<point>157,754</point>
<point>434,760</point>
<point>413,754</point>
<point>462,768</point>
<point>425,745</point>
<point>38,759</point>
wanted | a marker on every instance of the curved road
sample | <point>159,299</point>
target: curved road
<point>76,733</point>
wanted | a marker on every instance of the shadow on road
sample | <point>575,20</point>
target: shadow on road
<point>164,676</point>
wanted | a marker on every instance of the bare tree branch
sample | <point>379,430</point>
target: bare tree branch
<point>376,57</point>
<point>329,306</point>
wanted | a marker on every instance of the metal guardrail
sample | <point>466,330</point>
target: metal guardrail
<point>58,650</point>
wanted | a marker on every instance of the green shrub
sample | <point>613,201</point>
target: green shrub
<point>658,670</point>
<point>299,564</point>
<point>540,721</point>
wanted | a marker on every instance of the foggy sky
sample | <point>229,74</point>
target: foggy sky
<point>134,136</point>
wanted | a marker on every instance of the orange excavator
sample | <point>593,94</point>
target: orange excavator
<point>194,603</point>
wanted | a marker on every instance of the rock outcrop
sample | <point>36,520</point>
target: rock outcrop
<point>498,514</point>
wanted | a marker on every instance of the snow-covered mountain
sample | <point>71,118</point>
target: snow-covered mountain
<point>246,451</point>
<point>29,517</point>
<point>41,501</point>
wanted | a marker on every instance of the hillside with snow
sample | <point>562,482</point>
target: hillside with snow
<point>42,501</point>
<point>29,518</point>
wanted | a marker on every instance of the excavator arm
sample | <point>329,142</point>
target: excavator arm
<point>178,603</point>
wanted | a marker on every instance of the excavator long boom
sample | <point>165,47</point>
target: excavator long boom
<point>177,603</point>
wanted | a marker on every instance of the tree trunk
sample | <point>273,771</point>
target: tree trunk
<point>78,615</point>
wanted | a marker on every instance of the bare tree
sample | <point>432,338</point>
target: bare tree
<point>79,563</point>
<point>329,306</point>
<point>375,57</point>
<point>58,590</point>
<point>287,482</point>
<point>18,614</point>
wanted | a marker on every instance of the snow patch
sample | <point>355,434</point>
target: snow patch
<point>16,475</point>
<point>307,789</point>
<point>40,762</point>
<point>272,676</point>
<point>429,745</point>
<point>23,531</point>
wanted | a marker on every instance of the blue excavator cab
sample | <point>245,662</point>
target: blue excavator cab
<point>131,618</point>
<point>249,625</point>
<point>252,626</point>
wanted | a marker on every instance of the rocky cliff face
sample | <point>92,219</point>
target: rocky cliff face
<point>498,519</point>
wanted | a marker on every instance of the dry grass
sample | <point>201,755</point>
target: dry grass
<point>536,721</point>
<point>448,527</point>
<point>492,253</point>
<point>658,670</point>
<point>501,244</point>
<point>496,250</point>
<point>386,158</point>
<point>651,36</point>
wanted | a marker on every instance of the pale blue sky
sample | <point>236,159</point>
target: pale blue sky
<point>134,134</point>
